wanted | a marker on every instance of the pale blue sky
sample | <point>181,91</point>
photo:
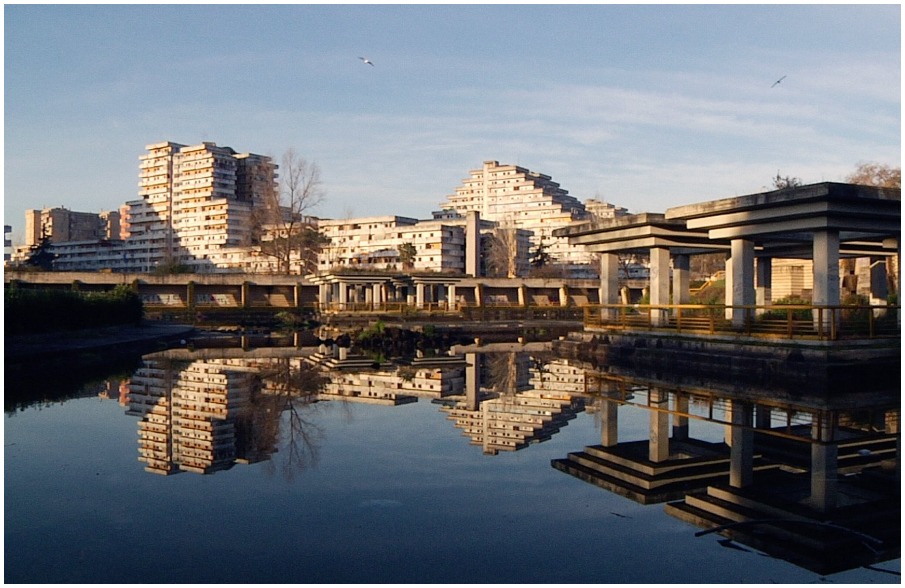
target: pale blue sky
<point>646,107</point>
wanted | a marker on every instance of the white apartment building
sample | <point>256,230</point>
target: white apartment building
<point>515,197</point>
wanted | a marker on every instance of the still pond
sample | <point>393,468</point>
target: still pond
<point>263,466</point>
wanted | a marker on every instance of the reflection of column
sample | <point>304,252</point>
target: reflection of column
<point>658,446</point>
<point>659,284</point>
<point>742,279</point>
<point>824,467</point>
<point>740,438</point>
<point>680,418</point>
<point>472,381</point>
<point>609,423</point>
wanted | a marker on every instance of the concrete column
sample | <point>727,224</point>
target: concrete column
<point>740,438</point>
<point>451,297</point>
<point>824,464</point>
<point>323,295</point>
<point>659,284</point>
<point>245,294</point>
<point>343,295</point>
<point>419,295</point>
<point>679,418</point>
<point>190,295</point>
<point>727,294</point>
<point>472,244</point>
<point>879,288</point>
<point>564,295</point>
<point>742,279</point>
<point>608,291</point>
<point>658,444</point>
<point>681,279</point>
<point>377,295</point>
<point>522,295</point>
<point>826,275</point>
<point>763,287</point>
<point>478,295</point>
<point>297,295</point>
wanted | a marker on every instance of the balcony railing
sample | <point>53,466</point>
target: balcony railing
<point>776,321</point>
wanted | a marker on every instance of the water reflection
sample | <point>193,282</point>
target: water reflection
<point>805,477</point>
<point>802,476</point>
<point>208,414</point>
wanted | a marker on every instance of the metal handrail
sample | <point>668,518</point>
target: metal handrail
<point>799,321</point>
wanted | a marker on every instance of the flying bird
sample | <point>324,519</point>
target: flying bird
<point>777,81</point>
<point>368,61</point>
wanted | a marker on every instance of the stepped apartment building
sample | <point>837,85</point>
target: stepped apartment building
<point>515,197</point>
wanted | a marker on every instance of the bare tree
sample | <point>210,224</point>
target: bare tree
<point>283,221</point>
<point>876,174</point>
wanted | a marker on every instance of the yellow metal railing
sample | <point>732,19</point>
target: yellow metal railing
<point>783,321</point>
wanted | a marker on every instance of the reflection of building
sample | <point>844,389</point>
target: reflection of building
<point>358,378</point>
<point>501,412</point>
<point>807,478</point>
<point>188,416</point>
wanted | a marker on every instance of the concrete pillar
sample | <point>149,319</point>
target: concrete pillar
<point>879,287</point>
<point>419,295</point>
<point>190,295</point>
<point>297,295</point>
<point>377,295</point>
<point>472,244</point>
<point>343,295</point>
<point>763,287</point>
<point>681,279</point>
<point>659,284</point>
<point>451,297</point>
<point>323,295</point>
<point>826,276</point>
<point>244,295</point>
<point>564,295</point>
<point>522,295</point>
<point>478,295</point>
<point>727,294</point>
<point>742,280</point>
<point>824,464</point>
<point>658,444</point>
<point>608,291</point>
<point>680,418</point>
<point>740,438</point>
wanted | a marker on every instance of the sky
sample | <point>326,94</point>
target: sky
<point>643,106</point>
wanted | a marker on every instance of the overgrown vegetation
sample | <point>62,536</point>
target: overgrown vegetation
<point>43,311</point>
<point>397,342</point>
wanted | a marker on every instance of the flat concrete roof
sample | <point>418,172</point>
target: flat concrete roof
<point>780,223</point>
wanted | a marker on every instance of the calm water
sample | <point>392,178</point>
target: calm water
<point>399,482</point>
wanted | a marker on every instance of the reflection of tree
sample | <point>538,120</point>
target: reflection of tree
<point>289,388</point>
<point>502,372</point>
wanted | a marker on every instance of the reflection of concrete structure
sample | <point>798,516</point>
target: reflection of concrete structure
<point>358,378</point>
<point>809,477</point>
<point>513,415</point>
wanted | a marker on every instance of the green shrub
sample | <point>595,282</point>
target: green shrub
<point>42,311</point>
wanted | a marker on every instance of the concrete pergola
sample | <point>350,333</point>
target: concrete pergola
<point>821,222</point>
<point>378,288</point>
<point>666,241</point>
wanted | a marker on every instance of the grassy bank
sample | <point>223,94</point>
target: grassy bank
<point>42,311</point>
